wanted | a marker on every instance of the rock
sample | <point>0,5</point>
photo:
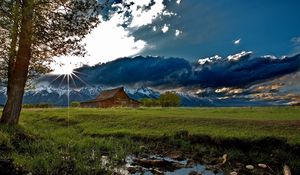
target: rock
<point>194,173</point>
<point>132,170</point>
<point>250,167</point>
<point>178,165</point>
<point>224,157</point>
<point>157,163</point>
<point>233,173</point>
<point>176,155</point>
<point>261,165</point>
<point>190,163</point>
<point>157,171</point>
<point>286,170</point>
<point>152,163</point>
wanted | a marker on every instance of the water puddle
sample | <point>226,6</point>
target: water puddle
<point>154,164</point>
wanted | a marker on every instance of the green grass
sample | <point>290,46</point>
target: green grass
<point>251,123</point>
<point>56,139</point>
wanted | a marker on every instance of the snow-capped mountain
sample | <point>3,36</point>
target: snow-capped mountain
<point>59,96</point>
<point>141,93</point>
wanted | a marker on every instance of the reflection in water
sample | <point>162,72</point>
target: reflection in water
<point>139,170</point>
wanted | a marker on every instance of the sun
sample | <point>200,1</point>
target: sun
<point>63,70</point>
<point>66,68</point>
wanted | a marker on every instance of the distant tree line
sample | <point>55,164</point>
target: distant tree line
<point>75,104</point>
<point>40,105</point>
<point>168,99</point>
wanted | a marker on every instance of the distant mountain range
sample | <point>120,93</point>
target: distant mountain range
<point>59,97</point>
<point>238,80</point>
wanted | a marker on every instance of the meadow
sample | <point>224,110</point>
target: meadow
<point>56,140</point>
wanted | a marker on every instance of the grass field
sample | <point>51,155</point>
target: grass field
<point>80,133</point>
<point>249,123</point>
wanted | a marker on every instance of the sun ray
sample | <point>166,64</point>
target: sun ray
<point>61,82</point>
<point>55,79</point>
<point>82,80</point>
<point>73,81</point>
<point>80,73</point>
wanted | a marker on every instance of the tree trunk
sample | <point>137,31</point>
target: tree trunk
<point>13,45</point>
<point>13,106</point>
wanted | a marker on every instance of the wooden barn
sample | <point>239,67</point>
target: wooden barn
<point>111,98</point>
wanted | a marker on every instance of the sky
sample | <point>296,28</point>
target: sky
<point>190,29</point>
<point>222,49</point>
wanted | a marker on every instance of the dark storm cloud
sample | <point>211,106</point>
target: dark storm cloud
<point>243,71</point>
<point>240,70</point>
<point>152,71</point>
<point>210,27</point>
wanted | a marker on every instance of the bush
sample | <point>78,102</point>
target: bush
<point>169,99</point>
<point>148,102</point>
<point>41,105</point>
<point>75,104</point>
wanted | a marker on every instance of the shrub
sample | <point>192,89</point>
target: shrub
<point>75,104</point>
<point>40,105</point>
<point>148,102</point>
<point>169,99</point>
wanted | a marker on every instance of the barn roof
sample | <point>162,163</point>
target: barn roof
<point>107,94</point>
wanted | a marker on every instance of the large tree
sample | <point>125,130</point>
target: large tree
<point>32,33</point>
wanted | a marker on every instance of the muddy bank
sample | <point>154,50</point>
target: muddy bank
<point>227,155</point>
<point>156,164</point>
<point>180,163</point>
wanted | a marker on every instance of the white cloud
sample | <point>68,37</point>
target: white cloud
<point>209,59</point>
<point>154,28</point>
<point>167,13</point>
<point>238,41</point>
<point>165,28</point>
<point>238,56</point>
<point>142,17</point>
<point>296,44</point>
<point>178,32</point>
<point>110,40</point>
<point>178,1</point>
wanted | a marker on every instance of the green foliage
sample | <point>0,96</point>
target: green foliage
<point>75,104</point>
<point>149,102</point>
<point>62,37</point>
<point>40,105</point>
<point>169,99</point>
